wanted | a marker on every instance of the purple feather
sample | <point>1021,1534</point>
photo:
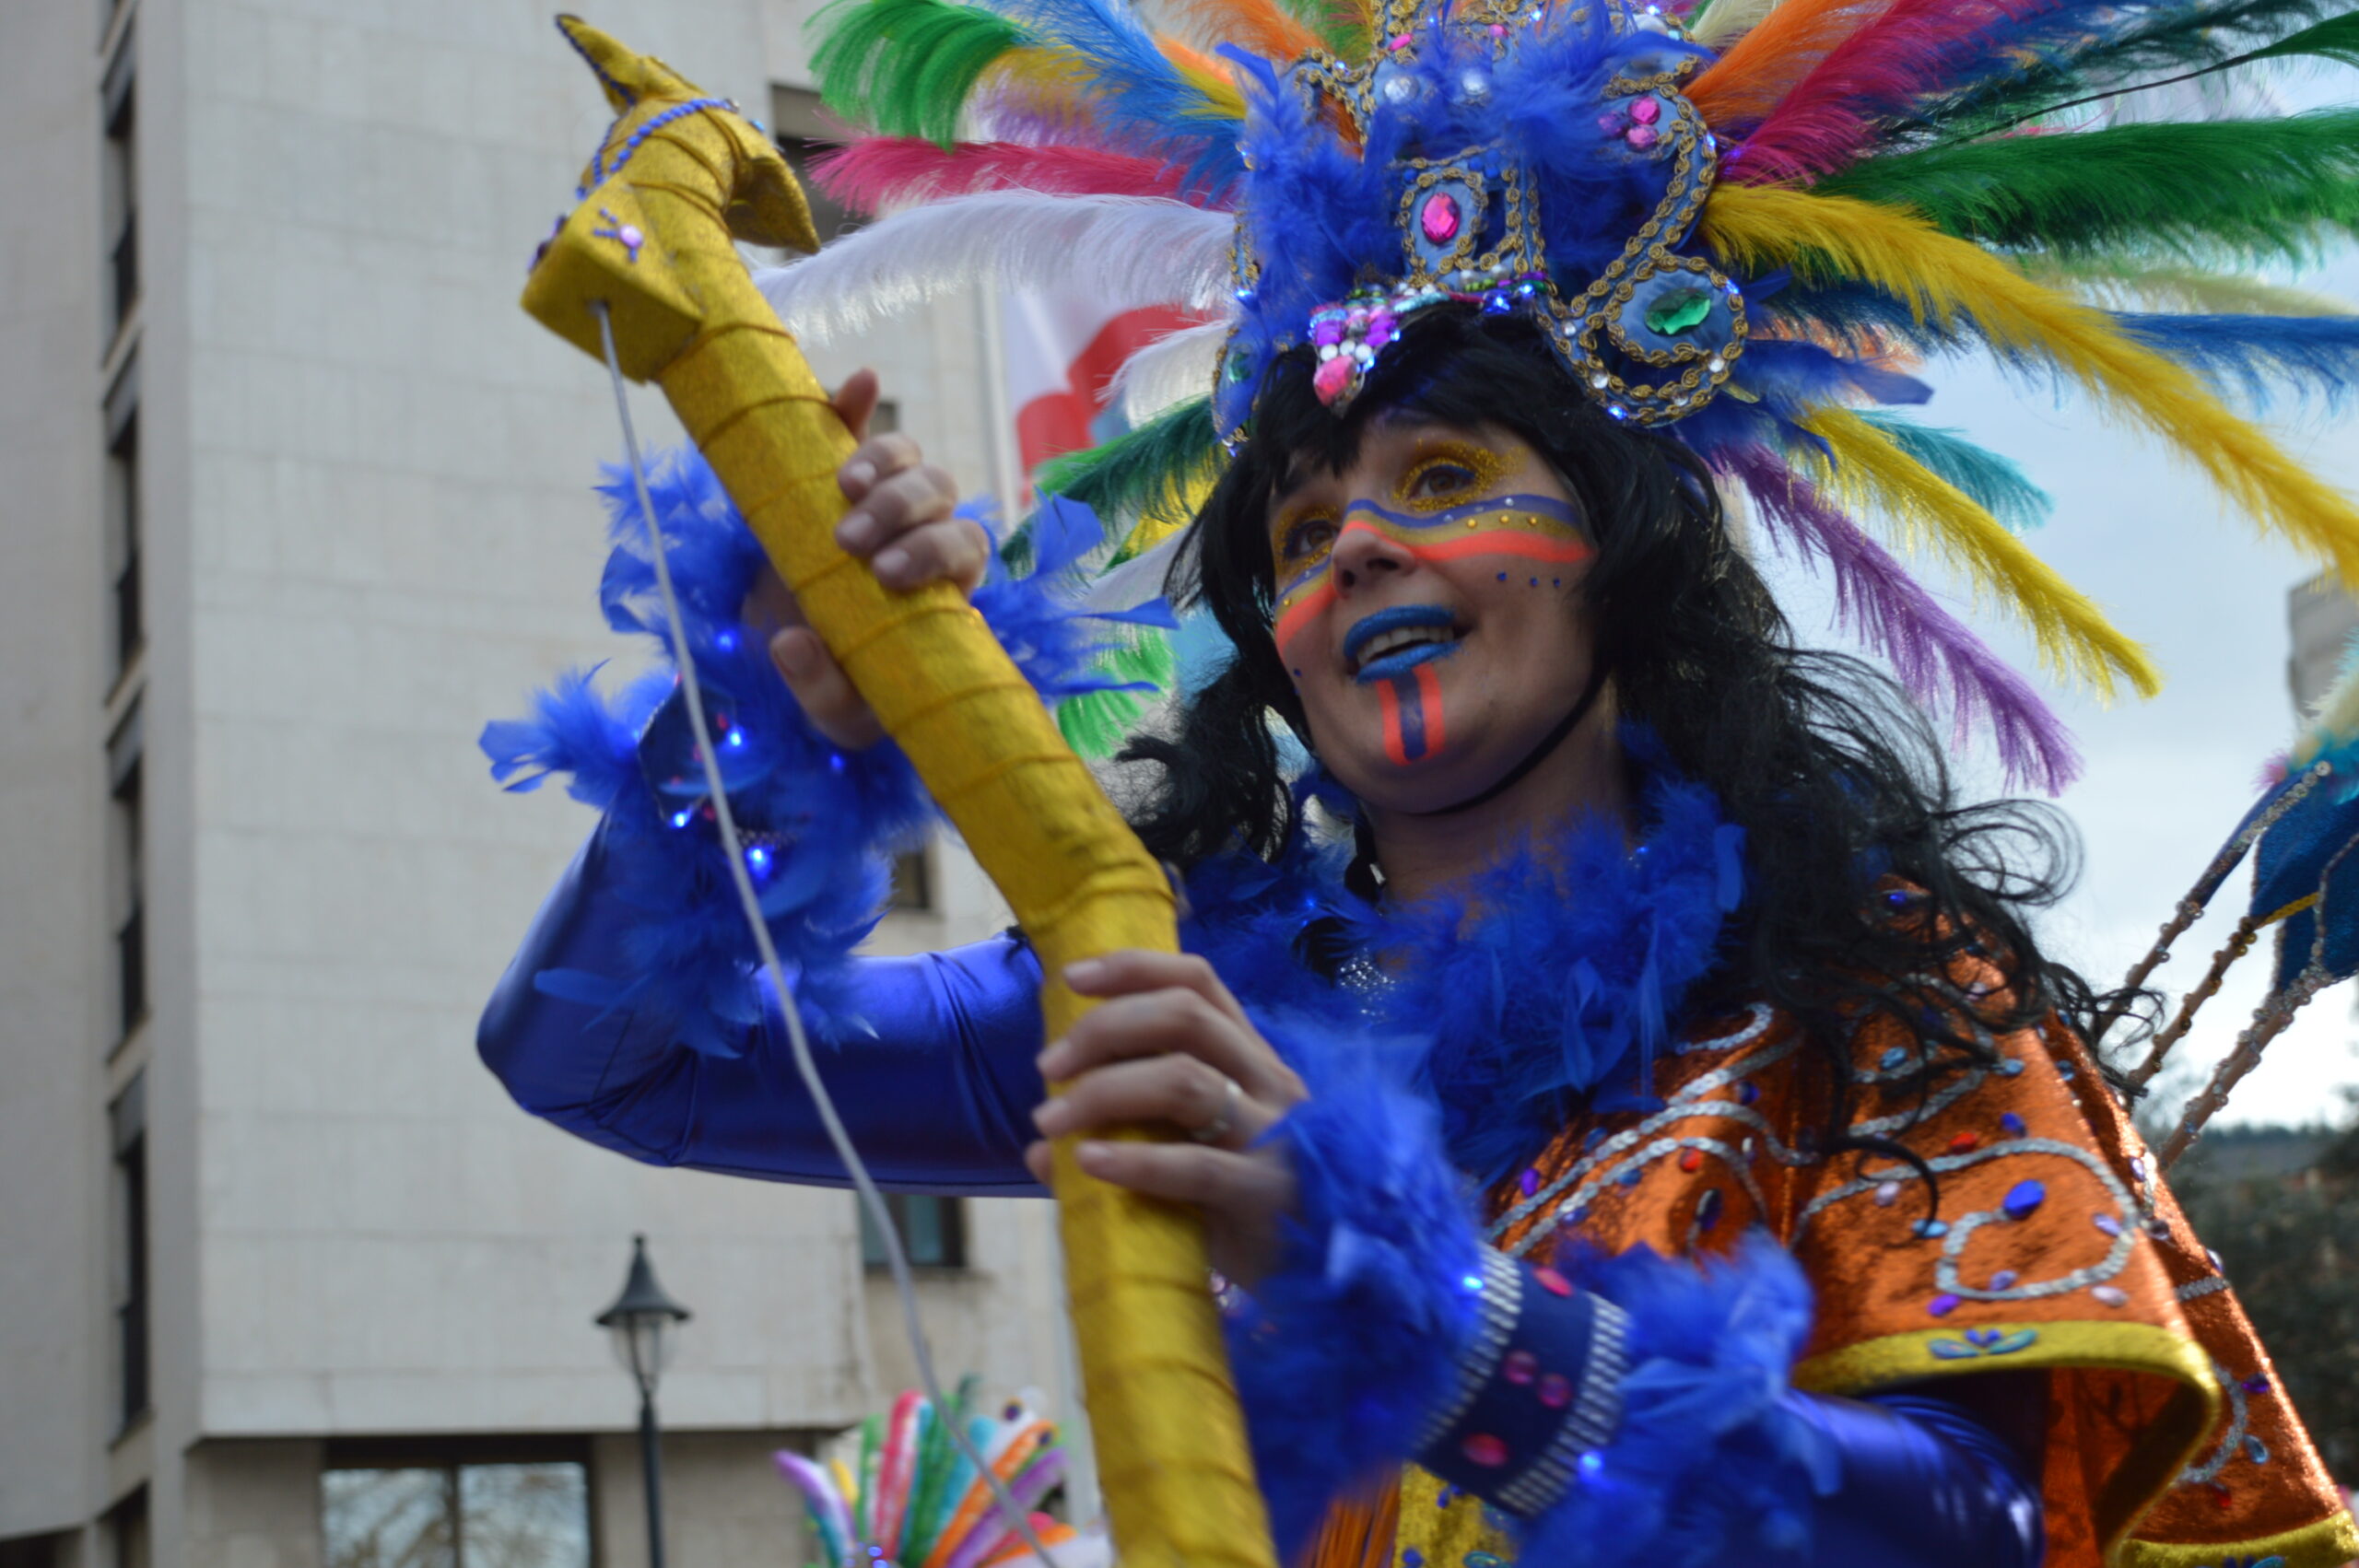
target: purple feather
<point>1936,657</point>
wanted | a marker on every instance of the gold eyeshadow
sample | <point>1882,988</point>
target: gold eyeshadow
<point>1284,532</point>
<point>1486,470</point>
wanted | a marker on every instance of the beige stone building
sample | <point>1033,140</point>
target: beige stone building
<point>296,499</point>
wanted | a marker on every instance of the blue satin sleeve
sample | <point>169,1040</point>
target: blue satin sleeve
<point>1925,1483</point>
<point>937,1096</point>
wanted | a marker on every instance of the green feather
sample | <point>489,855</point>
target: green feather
<point>1145,474</point>
<point>2002,488</point>
<point>904,68</point>
<point>2176,42</point>
<point>1096,723</point>
<point>2247,188</point>
<point>2335,39</point>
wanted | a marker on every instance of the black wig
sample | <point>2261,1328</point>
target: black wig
<point>1866,878</point>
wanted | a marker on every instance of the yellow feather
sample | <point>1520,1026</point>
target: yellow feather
<point>1166,515</point>
<point>1867,469</point>
<point>1207,76</point>
<point>1944,279</point>
<point>1046,78</point>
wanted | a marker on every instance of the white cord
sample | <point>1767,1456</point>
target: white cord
<point>870,1198</point>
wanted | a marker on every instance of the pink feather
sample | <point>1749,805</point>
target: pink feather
<point>1831,117</point>
<point>878,173</point>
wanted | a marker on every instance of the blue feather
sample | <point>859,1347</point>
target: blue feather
<point>1614,939</point>
<point>1136,88</point>
<point>1711,1462</point>
<point>830,817</point>
<point>1346,1347</point>
<point>2254,357</point>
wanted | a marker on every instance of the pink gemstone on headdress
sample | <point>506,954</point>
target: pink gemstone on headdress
<point>1645,112</point>
<point>1641,136</point>
<point>1611,124</point>
<point>1498,30</point>
<point>1399,43</point>
<point>1326,331</point>
<point>1333,377</point>
<point>1438,217</point>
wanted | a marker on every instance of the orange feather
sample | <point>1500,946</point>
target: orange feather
<point>1258,25</point>
<point>1742,87</point>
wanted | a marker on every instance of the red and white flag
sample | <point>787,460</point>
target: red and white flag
<point>1061,353</point>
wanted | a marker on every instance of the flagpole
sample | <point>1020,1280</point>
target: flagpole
<point>999,421</point>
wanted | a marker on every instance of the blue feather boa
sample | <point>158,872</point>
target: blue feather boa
<point>828,819</point>
<point>1546,983</point>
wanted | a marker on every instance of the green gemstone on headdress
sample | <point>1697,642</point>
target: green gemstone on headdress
<point>1680,310</point>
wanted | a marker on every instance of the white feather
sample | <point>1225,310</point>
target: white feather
<point>1169,371</point>
<point>1141,578</point>
<point>1127,250</point>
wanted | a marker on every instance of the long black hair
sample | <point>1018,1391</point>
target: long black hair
<point>1866,876</point>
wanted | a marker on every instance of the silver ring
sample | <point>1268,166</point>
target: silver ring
<point>1221,1126</point>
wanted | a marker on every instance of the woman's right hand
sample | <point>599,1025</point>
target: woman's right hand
<point>901,524</point>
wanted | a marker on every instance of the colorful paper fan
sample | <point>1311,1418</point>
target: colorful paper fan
<point>908,1498</point>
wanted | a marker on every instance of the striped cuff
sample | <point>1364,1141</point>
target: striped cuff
<point>1539,1390</point>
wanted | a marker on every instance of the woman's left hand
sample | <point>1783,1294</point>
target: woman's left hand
<point>1168,1044</point>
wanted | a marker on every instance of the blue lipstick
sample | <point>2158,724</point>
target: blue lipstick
<point>1401,617</point>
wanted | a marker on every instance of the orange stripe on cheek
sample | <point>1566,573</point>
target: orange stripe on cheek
<point>1529,546</point>
<point>1294,618</point>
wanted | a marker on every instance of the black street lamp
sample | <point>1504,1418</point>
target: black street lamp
<point>641,1321</point>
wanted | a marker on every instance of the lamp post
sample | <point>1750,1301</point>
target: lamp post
<point>641,1321</point>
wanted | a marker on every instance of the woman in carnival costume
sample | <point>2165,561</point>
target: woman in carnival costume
<point>1620,1081</point>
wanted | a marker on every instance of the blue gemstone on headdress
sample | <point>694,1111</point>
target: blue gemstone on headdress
<point>2022,1198</point>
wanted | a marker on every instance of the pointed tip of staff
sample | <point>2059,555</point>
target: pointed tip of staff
<point>626,74</point>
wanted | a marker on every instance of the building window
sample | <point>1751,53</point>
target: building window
<point>127,1535</point>
<point>802,131</point>
<point>409,1513</point>
<point>913,883</point>
<point>128,895</point>
<point>933,1231</point>
<point>123,504</point>
<point>121,176</point>
<point>127,1130</point>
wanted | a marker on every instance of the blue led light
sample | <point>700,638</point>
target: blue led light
<point>682,817</point>
<point>734,739</point>
<point>1472,1282</point>
<point>759,857</point>
<point>726,640</point>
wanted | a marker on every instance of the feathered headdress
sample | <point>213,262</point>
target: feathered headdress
<point>1736,222</point>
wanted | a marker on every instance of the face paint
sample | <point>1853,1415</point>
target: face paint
<point>1411,704</point>
<point>1539,529</point>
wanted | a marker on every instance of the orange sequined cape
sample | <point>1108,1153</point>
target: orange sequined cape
<point>2057,1249</point>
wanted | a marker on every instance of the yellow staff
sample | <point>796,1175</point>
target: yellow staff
<point>679,177</point>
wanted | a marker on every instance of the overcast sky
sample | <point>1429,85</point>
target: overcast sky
<point>2166,779</point>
